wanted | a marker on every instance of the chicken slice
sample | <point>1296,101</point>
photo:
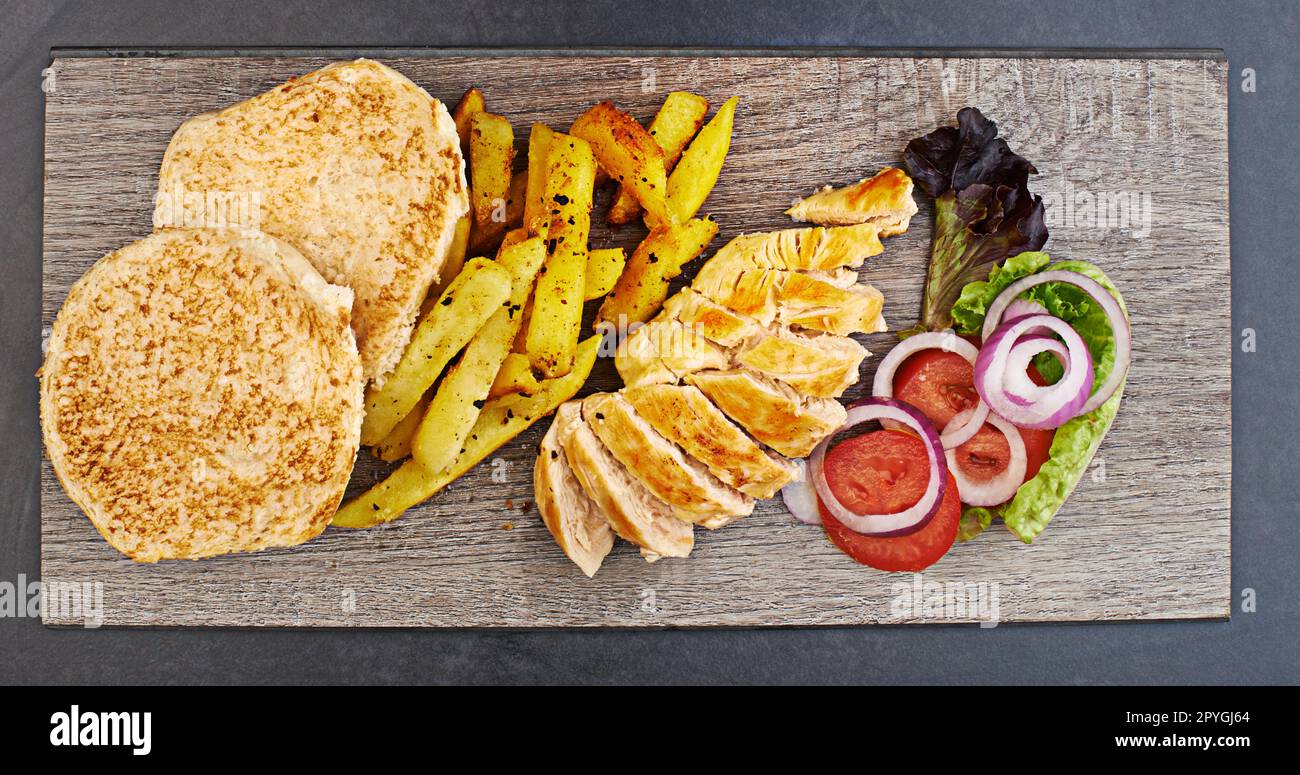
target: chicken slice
<point>633,512</point>
<point>884,200</point>
<point>775,414</point>
<point>664,351</point>
<point>812,248</point>
<point>748,290</point>
<point>809,301</point>
<point>582,531</point>
<point>716,322</point>
<point>682,482</point>
<point>687,418</point>
<point>820,365</point>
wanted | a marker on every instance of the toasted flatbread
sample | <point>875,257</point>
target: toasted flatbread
<point>354,165</point>
<point>202,394</point>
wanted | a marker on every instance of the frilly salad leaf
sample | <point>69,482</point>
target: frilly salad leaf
<point>984,212</point>
<point>1037,500</point>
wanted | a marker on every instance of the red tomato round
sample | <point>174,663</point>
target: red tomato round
<point>937,382</point>
<point>986,455</point>
<point>941,384</point>
<point>885,472</point>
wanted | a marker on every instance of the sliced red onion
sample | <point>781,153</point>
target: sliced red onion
<point>1119,323</point>
<point>1018,308</point>
<point>801,497</point>
<point>1001,488</point>
<point>958,432</point>
<point>1020,389</point>
<point>903,522</point>
<point>883,386</point>
<point>1019,400</point>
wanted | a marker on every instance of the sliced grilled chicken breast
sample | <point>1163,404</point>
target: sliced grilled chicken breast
<point>816,303</point>
<point>574,519</point>
<point>820,365</point>
<point>633,511</point>
<point>664,351</point>
<point>811,248</point>
<point>814,300</point>
<point>884,200</point>
<point>716,322</point>
<point>680,481</point>
<point>771,412</point>
<point>684,416</point>
<point>748,273</point>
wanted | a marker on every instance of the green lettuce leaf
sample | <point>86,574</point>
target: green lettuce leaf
<point>1075,442</point>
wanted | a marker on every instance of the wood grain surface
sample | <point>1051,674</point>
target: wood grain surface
<point>1145,536</point>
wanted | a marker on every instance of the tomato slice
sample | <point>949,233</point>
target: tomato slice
<point>937,382</point>
<point>885,472</point>
<point>941,384</point>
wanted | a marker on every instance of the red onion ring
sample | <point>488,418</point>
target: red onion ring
<point>1018,308</point>
<point>956,434</point>
<point>1020,389</point>
<point>908,520</point>
<point>1001,488</point>
<point>1033,406</point>
<point>1120,328</point>
<point>883,385</point>
<point>801,498</point>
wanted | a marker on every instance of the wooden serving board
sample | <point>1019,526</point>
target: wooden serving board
<point>1145,536</point>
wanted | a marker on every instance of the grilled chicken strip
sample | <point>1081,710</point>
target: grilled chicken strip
<point>804,249</point>
<point>717,323</point>
<point>771,412</point>
<point>884,200</point>
<point>664,351</point>
<point>814,300</point>
<point>574,519</point>
<point>748,274</point>
<point>684,416</point>
<point>823,366</point>
<point>633,511</point>
<point>809,301</point>
<point>695,495</point>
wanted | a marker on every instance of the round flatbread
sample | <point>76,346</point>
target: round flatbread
<point>354,165</point>
<point>202,394</point>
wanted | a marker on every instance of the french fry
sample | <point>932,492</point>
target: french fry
<point>674,125</point>
<point>627,151</point>
<point>463,390</point>
<point>660,257</point>
<point>556,319</point>
<point>515,376</point>
<point>603,269</point>
<point>487,239</point>
<point>471,102</point>
<point>476,293</point>
<point>491,156</point>
<point>697,172</point>
<point>397,444</point>
<point>512,237</point>
<point>501,420</point>
<point>536,214</point>
<point>454,262</point>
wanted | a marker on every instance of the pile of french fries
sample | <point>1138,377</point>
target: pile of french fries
<point>515,320</point>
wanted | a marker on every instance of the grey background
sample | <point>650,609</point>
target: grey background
<point>1265,165</point>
